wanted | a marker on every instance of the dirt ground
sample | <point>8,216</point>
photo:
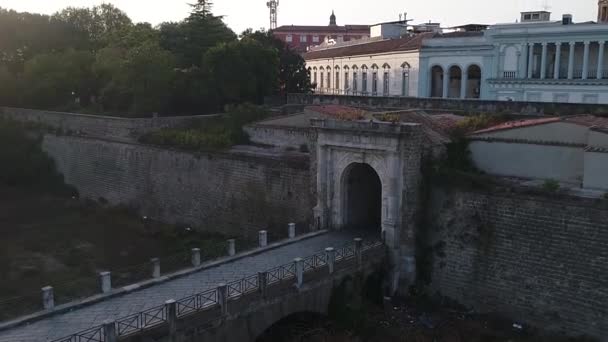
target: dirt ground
<point>65,242</point>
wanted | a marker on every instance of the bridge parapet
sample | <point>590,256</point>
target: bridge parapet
<point>214,305</point>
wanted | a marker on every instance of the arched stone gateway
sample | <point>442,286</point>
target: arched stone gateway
<point>368,175</point>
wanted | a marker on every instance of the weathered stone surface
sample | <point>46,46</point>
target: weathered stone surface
<point>224,192</point>
<point>535,259</point>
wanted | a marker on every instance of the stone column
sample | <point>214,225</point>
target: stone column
<point>586,60</point>
<point>543,62</point>
<point>446,83</point>
<point>530,60</point>
<point>558,58</point>
<point>196,257</point>
<point>106,282</point>
<point>523,61</point>
<point>109,330</point>
<point>330,256</point>
<point>231,247</point>
<point>463,84</point>
<point>263,238</point>
<point>171,310</point>
<point>600,60</point>
<point>299,267</point>
<point>291,230</point>
<point>155,267</point>
<point>48,298</point>
<point>262,282</point>
<point>571,60</point>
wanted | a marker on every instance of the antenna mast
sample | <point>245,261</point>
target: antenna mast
<point>273,5</point>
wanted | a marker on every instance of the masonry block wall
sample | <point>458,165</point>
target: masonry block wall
<point>535,259</point>
<point>234,194</point>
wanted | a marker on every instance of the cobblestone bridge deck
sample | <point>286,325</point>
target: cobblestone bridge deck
<point>63,324</point>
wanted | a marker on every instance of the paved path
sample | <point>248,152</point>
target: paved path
<point>61,325</point>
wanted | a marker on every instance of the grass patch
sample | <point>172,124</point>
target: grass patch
<point>219,133</point>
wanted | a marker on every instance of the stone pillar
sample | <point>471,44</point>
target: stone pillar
<point>291,230</point>
<point>330,257</point>
<point>558,58</point>
<point>523,61</point>
<point>446,83</point>
<point>196,257</point>
<point>48,298</point>
<point>106,282</point>
<point>463,84</point>
<point>155,267</point>
<point>299,267</point>
<point>358,251</point>
<point>231,247</point>
<point>263,238</point>
<point>530,60</point>
<point>543,62</point>
<point>586,61</point>
<point>109,330</point>
<point>571,60</point>
<point>600,60</point>
<point>171,309</point>
<point>262,282</point>
<point>222,297</point>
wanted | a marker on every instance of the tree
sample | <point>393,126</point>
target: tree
<point>202,8</point>
<point>293,75</point>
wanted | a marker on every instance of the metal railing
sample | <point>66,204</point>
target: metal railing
<point>209,299</point>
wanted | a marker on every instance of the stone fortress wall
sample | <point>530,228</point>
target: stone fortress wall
<point>233,194</point>
<point>107,127</point>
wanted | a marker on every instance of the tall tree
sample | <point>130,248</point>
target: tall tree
<point>202,8</point>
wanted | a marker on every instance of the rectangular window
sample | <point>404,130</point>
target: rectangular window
<point>375,83</point>
<point>302,39</point>
<point>527,17</point>
<point>315,39</point>
<point>405,84</point>
<point>354,81</point>
<point>346,80</point>
<point>535,16</point>
<point>337,84</point>
<point>364,82</point>
<point>385,89</point>
<point>289,38</point>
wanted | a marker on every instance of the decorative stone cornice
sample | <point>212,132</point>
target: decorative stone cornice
<point>552,81</point>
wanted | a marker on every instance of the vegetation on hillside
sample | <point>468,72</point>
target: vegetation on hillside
<point>97,60</point>
<point>219,133</point>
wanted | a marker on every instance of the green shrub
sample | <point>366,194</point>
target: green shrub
<point>606,196</point>
<point>551,185</point>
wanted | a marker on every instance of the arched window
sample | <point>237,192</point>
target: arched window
<point>473,90</point>
<point>385,79</point>
<point>364,79</point>
<point>346,82</point>
<point>374,80</point>
<point>322,78</point>
<point>455,82</point>
<point>355,79</point>
<point>405,79</point>
<point>328,80</point>
<point>314,77</point>
<point>337,80</point>
<point>437,81</point>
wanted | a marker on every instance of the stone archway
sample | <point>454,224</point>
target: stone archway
<point>362,199</point>
<point>437,76</point>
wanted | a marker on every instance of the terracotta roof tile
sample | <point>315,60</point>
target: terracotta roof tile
<point>387,45</point>
<point>517,124</point>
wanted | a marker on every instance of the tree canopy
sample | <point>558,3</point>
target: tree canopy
<point>97,60</point>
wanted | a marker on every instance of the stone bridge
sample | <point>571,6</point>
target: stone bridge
<point>235,299</point>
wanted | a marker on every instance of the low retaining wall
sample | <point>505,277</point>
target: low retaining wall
<point>535,259</point>
<point>107,127</point>
<point>467,106</point>
<point>280,136</point>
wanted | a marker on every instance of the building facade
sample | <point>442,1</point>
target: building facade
<point>300,38</point>
<point>535,59</point>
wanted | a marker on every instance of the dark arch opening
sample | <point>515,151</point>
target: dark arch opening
<point>474,82</point>
<point>437,81</point>
<point>455,82</point>
<point>297,327</point>
<point>363,198</point>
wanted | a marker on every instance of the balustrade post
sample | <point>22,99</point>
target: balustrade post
<point>263,238</point>
<point>171,310</point>
<point>263,283</point>
<point>155,267</point>
<point>330,255</point>
<point>358,251</point>
<point>48,298</point>
<point>196,257</point>
<point>106,282</point>
<point>231,247</point>
<point>292,230</point>
<point>299,267</point>
<point>222,297</point>
<point>109,331</point>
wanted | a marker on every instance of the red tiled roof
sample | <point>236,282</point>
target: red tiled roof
<point>387,45</point>
<point>336,29</point>
<point>517,124</point>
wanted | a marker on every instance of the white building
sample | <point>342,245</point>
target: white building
<point>571,150</point>
<point>386,64</point>
<point>535,59</point>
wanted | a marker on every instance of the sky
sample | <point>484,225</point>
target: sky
<point>242,14</point>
